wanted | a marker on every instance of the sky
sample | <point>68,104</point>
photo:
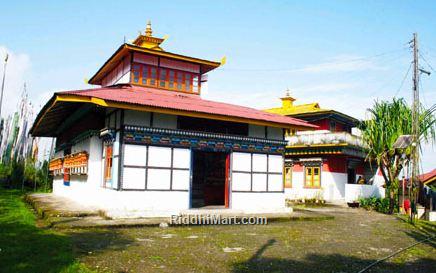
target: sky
<point>342,54</point>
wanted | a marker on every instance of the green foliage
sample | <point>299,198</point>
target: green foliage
<point>388,121</point>
<point>377,204</point>
<point>5,171</point>
<point>26,248</point>
<point>17,174</point>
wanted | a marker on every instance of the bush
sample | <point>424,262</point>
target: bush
<point>374,203</point>
<point>17,174</point>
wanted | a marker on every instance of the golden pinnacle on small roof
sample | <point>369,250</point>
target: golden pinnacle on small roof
<point>147,40</point>
<point>287,100</point>
<point>148,30</point>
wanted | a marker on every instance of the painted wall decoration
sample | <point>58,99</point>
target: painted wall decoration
<point>56,166</point>
<point>71,164</point>
<point>205,141</point>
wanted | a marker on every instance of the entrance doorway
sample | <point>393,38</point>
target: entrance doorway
<point>351,176</point>
<point>210,174</point>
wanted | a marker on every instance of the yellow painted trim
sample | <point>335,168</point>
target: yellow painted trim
<point>429,181</point>
<point>316,145</point>
<point>305,153</point>
<point>128,106</point>
<point>42,116</point>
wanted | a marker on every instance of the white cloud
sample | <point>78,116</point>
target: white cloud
<point>342,63</point>
<point>327,87</point>
<point>17,69</point>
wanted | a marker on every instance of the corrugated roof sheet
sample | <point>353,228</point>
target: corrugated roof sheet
<point>154,97</point>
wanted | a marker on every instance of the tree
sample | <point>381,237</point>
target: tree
<point>388,121</point>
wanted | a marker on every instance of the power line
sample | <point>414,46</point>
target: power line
<point>326,63</point>
<point>425,60</point>
<point>404,79</point>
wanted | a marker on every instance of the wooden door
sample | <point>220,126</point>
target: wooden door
<point>227,182</point>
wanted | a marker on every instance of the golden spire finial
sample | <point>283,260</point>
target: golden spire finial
<point>287,100</point>
<point>148,30</point>
<point>288,92</point>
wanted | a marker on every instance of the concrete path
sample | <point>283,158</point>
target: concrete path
<point>60,212</point>
<point>48,204</point>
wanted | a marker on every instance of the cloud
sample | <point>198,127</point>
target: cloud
<point>342,63</point>
<point>327,87</point>
<point>17,69</point>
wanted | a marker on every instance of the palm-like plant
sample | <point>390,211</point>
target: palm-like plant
<point>388,121</point>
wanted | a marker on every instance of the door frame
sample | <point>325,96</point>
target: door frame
<point>227,175</point>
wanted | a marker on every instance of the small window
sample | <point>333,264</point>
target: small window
<point>187,82</point>
<point>195,85</point>
<point>179,80</point>
<point>144,75</point>
<point>163,78</point>
<point>171,79</point>
<point>288,177</point>
<point>153,76</point>
<point>136,71</point>
<point>313,177</point>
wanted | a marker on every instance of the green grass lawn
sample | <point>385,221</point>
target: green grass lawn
<point>26,248</point>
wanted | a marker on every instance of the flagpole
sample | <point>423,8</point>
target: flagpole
<point>1,103</point>
<point>3,83</point>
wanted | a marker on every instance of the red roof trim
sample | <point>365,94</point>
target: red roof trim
<point>152,97</point>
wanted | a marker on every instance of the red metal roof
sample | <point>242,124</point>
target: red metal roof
<point>146,96</point>
<point>427,176</point>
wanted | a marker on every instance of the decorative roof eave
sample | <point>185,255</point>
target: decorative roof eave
<point>331,113</point>
<point>326,149</point>
<point>58,98</point>
<point>125,48</point>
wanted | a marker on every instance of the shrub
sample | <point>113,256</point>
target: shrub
<point>374,203</point>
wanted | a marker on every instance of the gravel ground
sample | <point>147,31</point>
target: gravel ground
<point>349,242</point>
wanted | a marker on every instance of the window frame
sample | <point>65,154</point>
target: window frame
<point>287,181</point>
<point>181,78</point>
<point>148,167</point>
<point>108,166</point>
<point>310,184</point>
<point>267,173</point>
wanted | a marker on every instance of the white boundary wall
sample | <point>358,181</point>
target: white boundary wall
<point>334,188</point>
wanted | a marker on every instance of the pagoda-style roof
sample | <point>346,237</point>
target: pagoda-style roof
<point>310,111</point>
<point>147,44</point>
<point>127,96</point>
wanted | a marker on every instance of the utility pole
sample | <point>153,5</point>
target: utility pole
<point>415,128</point>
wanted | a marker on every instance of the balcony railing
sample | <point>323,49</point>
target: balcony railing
<point>325,137</point>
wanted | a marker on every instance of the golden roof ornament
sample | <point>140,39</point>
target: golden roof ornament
<point>287,100</point>
<point>147,40</point>
<point>148,30</point>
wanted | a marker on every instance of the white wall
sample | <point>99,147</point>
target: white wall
<point>125,203</point>
<point>258,201</point>
<point>83,183</point>
<point>355,191</point>
<point>332,187</point>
